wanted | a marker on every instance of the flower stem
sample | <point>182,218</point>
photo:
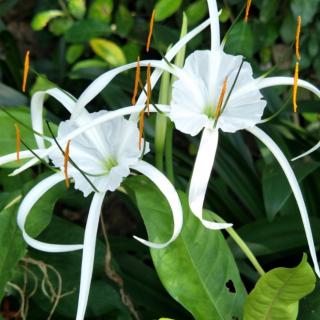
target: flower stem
<point>242,245</point>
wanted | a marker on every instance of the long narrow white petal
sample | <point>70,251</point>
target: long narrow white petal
<point>201,175</point>
<point>272,146</point>
<point>263,83</point>
<point>26,205</point>
<point>37,102</point>
<point>214,24</point>
<point>101,82</point>
<point>22,154</point>
<point>109,116</point>
<point>89,246</point>
<point>313,149</point>
<point>165,186</point>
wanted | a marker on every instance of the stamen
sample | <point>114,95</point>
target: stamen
<point>298,57</point>
<point>246,18</point>
<point>141,127</point>
<point>295,87</point>
<point>221,98</point>
<point>25,70</point>
<point>136,83</point>
<point>66,160</point>
<point>148,87</point>
<point>18,141</point>
<point>150,30</point>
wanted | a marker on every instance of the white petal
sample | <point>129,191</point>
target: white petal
<point>263,83</point>
<point>201,175</point>
<point>313,149</point>
<point>37,102</point>
<point>214,23</point>
<point>89,246</point>
<point>13,156</point>
<point>26,205</point>
<point>109,116</point>
<point>165,186</point>
<point>272,146</point>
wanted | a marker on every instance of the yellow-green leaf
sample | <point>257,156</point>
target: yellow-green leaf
<point>166,8</point>
<point>41,19</point>
<point>101,10</point>
<point>77,8</point>
<point>74,52</point>
<point>276,295</point>
<point>108,51</point>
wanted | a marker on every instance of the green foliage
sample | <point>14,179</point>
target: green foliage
<point>166,8</point>
<point>277,293</point>
<point>42,18</point>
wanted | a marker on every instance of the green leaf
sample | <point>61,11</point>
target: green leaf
<point>206,284</point>
<point>124,21</point>
<point>41,84</point>
<point>11,97</point>
<point>276,189</point>
<point>277,293</point>
<point>309,306</point>
<point>74,52</point>
<point>85,30</point>
<point>196,11</point>
<point>77,8</point>
<point>166,8</point>
<point>59,26</point>
<point>41,19</point>
<point>108,51</point>
<point>305,9</point>
<point>88,69</point>
<point>12,245</point>
<point>268,9</point>
<point>101,10</point>
<point>241,40</point>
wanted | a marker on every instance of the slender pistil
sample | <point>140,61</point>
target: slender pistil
<point>148,87</point>
<point>150,30</point>
<point>248,6</point>
<point>26,70</point>
<point>296,71</point>
<point>18,141</point>
<point>66,161</point>
<point>136,83</point>
<point>221,98</point>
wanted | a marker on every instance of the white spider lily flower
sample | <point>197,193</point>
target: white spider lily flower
<point>226,96</point>
<point>106,150</point>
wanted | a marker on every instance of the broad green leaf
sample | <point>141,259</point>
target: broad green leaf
<point>59,26</point>
<point>41,19</point>
<point>101,10</point>
<point>12,246</point>
<point>166,8</point>
<point>268,9</point>
<point>305,9</point>
<point>124,21</point>
<point>74,52</point>
<point>85,30</point>
<point>276,189</point>
<point>11,97</point>
<point>287,29</point>
<point>196,11</point>
<point>41,84</point>
<point>88,69</point>
<point>241,40</point>
<point>108,51</point>
<point>309,306</point>
<point>277,293</point>
<point>77,8</point>
<point>210,281</point>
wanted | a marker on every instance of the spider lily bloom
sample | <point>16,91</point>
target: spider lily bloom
<point>225,96</point>
<point>106,153</point>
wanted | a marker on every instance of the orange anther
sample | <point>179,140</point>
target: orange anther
<point>298,38</point>
<point>141,127</point>
<point>148,87</point>
<point>150,30</point>
<point>295,87</point>
<point>136,83</point>
<point>25,70</point>
<point>221,98</point>
<point>18,141</point>
<point>65,164</point>
<point>246,18</point>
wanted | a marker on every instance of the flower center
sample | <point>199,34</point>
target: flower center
<point>109,164</point>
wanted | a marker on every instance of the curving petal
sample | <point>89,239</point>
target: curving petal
<point>37,102</point>
<point>263,83</point>
<point>272,146</point>
<point>26,205</point>
<point>165,186</point>
<point>89,245</point>
<point>13,156</point>
<point>201,175</point>
<point>109,116</point>
<point>313,149</point>
<point>214,24</point>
